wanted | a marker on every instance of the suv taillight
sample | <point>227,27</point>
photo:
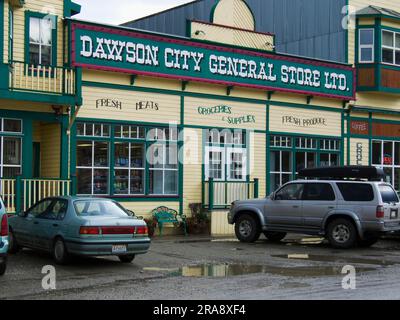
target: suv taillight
<point>4,226</point>
<point>380,212</point>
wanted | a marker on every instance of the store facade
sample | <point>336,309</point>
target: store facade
<point>156,120</point>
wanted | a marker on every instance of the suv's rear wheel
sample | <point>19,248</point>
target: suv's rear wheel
<point>275,236</point>
<point>247,228</point>
<point>342,233</point>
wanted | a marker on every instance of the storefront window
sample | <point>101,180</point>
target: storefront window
<point>289,155</point>
<point>226,155</point>
<point>386,155</point>
<point>132,146</point>
<point>92,167</point>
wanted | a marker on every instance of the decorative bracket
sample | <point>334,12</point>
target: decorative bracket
<point>269,94</point>
<point>184,85</point>
<point>309,98</point>
<point>133,79</point>
<point>229,90</point>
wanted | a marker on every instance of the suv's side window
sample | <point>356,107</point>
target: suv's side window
<point>292,191</point>
<point>318,192</point>
<point>356,191</point>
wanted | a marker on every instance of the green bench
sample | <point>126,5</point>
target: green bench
<point>166,215</point>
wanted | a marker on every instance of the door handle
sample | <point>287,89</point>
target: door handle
<point>35,222</point>
<point>296,207</point>
<point>331,207</point>
<point>55,225</point>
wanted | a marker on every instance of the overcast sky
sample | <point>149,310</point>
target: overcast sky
<point>119,11</point>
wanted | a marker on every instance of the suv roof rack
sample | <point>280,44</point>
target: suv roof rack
<point>342,173</point>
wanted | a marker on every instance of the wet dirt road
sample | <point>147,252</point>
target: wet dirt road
<point>186,268</point>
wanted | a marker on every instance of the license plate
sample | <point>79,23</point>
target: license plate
<point>119,248</point>
<point>393,214</point>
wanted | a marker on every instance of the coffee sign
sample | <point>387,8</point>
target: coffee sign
<point>111,49</point>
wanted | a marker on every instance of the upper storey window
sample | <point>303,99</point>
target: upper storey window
<point>366,45</point>
<point>41,30</point>
<point>391,47</point>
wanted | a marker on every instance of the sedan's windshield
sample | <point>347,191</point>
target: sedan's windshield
<point>88,208</point>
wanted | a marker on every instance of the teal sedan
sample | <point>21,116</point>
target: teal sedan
<point>3,238</point>
<point>67,226</point>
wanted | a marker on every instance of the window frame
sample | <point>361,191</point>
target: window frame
<point>113,138</point>
<point>384,166</point>
<point>54,33</point>
<point>366,46</point>
<point>394,48</point>
<point>225,148</point>
<point>295,144</point>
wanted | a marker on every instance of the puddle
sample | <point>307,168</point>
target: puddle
<point>341,260</point>
<point>231,270</point>
<point>160,269</point>
<point>306,241</point>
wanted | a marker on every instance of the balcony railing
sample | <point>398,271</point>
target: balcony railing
<point>44,79</point>
<point>20,194</point>
<point>220,195</point>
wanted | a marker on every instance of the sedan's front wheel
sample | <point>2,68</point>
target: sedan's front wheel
<point>247,228</point>
<point>13,246</point>
<point>126,259</point>
<point>60,253</point>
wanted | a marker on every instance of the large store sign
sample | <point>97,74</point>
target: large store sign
<point>144,54</point>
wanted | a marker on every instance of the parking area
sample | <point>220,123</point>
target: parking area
<point>204,268</point>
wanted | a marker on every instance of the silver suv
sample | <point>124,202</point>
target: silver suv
<point>345,212</point>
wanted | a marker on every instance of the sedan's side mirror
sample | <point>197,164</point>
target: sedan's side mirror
<point>272,196</point>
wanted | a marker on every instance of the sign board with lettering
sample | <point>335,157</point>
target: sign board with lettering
<point>127,105</point>
<point>142,53</point>
<point>304,121</point>
<point>359,127</point>
<point>224,114</point>
<point>359,152</point>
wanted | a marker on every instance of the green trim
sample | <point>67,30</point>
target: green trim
<point>71,8</point>
<point>10,33</point>
<point>34,96</point>
<point>210,96</point>
<point>64,148</point>
<point>27,148</point>
<point>73,141</point>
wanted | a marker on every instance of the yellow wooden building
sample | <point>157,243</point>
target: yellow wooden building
<point>154,120</point>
